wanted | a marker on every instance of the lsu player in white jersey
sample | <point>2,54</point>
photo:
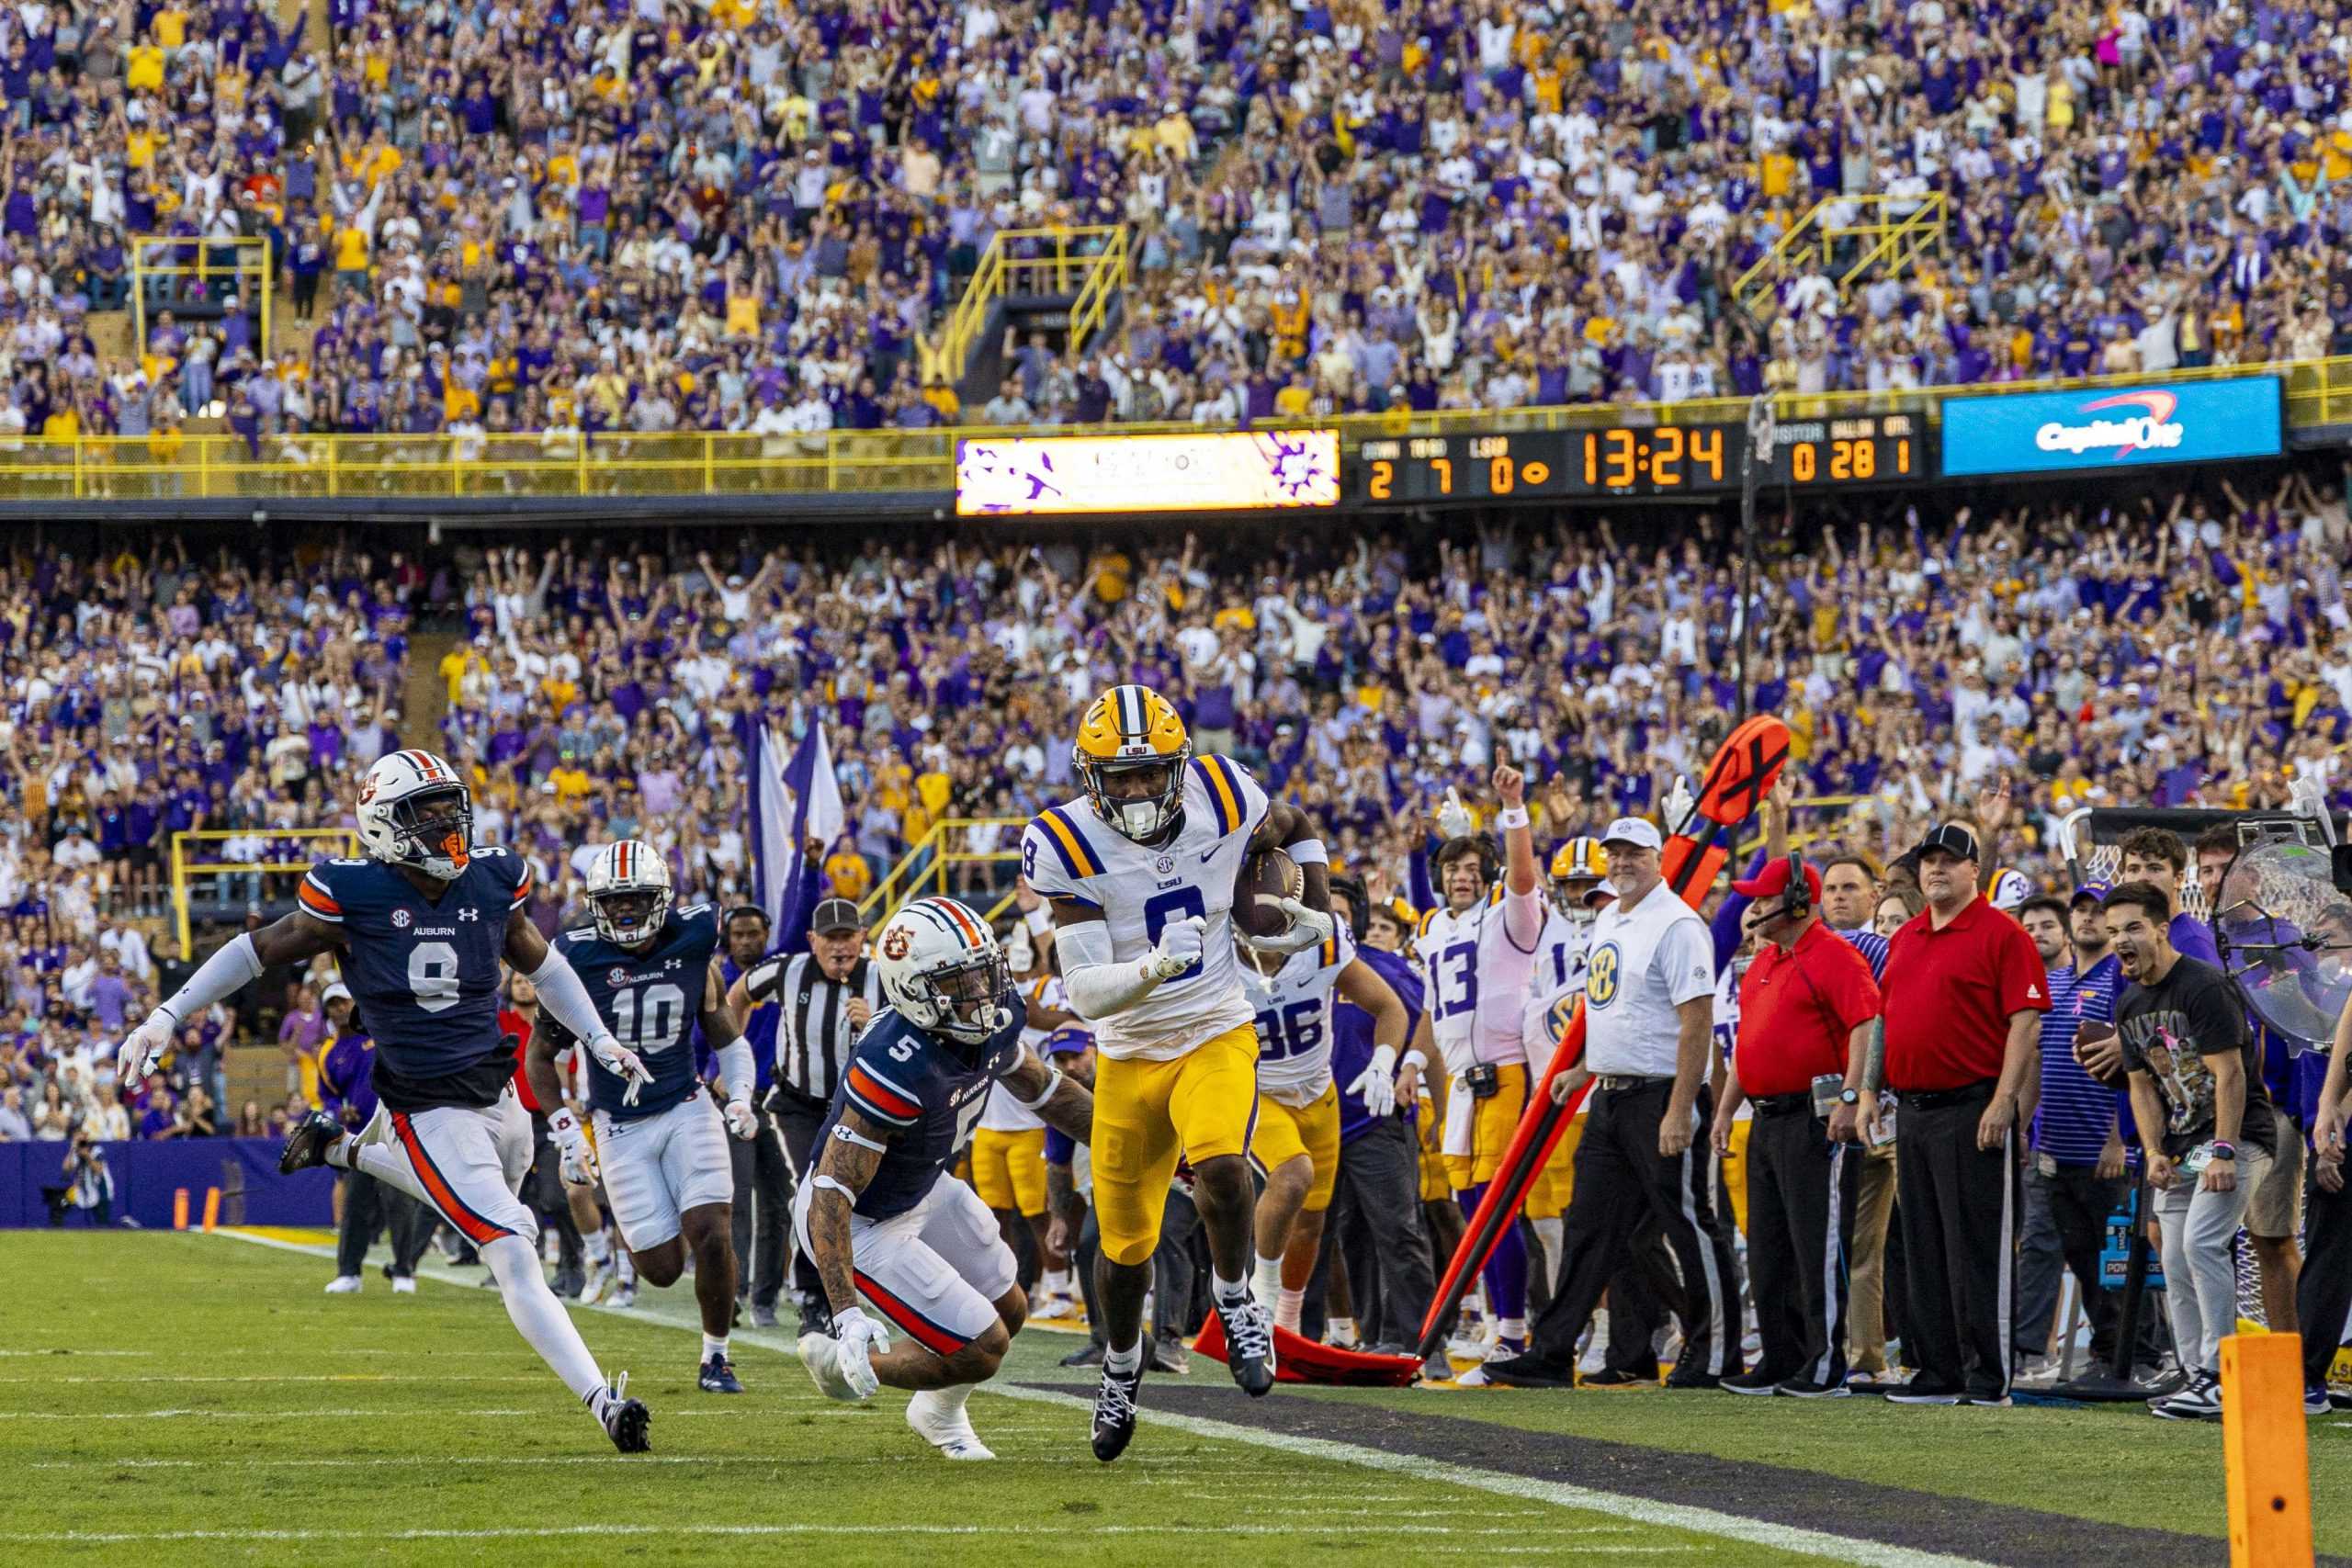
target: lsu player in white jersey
<point>1296,1144</point>
<point>1141,871</point>
<point>1581,890</point>
<point>1479,949</point>
<point>1009,1147</point>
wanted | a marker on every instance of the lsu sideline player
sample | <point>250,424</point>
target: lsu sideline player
<point>1581,890</point>
<point>1140,873</point>
<point>1296,1144</point>
<point>422,923</point>
<point>1478,949</point>
<point>1009,1148</point>
<point>660,1147</point>
<point>876,1218</point>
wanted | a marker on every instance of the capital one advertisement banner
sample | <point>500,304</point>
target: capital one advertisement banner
<point>2105,429</point>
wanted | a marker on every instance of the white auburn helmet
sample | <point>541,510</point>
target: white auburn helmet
<point>628,892</point>
<point>942,970</point>
<point>415,810</point>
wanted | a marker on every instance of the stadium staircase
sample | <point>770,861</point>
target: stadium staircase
<point>1847,239</point>
<point>425,694</point>
<point>1067,282</point>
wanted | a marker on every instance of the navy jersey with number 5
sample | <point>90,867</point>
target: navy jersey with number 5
<point>649,1001</point>
<point>424,972</point>
<point>928,1092</point>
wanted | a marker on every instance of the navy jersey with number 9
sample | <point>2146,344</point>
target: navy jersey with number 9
<point>649,1001</point>
<point>423,973</point>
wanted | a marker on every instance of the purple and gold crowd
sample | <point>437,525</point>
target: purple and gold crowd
<point>525,216</point>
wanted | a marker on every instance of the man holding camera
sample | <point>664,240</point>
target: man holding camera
<point>1806,1006</point>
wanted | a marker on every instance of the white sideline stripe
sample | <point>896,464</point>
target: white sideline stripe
<point>1060,1532</point>
<point>314,1377</point>
<point>64,1351</point>
<point>1639,1510</point>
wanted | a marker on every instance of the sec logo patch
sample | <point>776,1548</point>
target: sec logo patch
<point>1600,979</point>
<point>400,918</point>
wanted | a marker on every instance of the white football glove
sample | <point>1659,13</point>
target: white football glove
<point>1309,927</point>
<point>1378,1083</point>
<point>855,1335</point>
<point>1453,818</point>
<point>1680,805</point>
<point>1179,948</point>
<point>144,1046</point>
<point>622,1063</point>
<point>576,1155</point>
<point>741,1119</point>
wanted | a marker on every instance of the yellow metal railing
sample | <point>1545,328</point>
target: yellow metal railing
<point>1894,232</point>
<point>172,467</point>
<point>924,868</point>
<point>184,841</point>
<point>248,269</point>
<point>1089,259</point>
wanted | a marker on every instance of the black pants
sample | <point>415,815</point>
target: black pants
<point>369,1206</point>
<point>1622,1181</point>
<point>763,1218</point>
<point>1802,1190</point>
<point>796,1119</point>
<point>543,1192</point>
<point>1375,1224</point>
<point>2065,1227</point>
<point>2324,1295</point>
<point>1958,1206</point>
<point>1171,1266</point>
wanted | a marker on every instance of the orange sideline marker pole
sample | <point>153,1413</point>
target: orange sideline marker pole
<point>2265,1450</point>
<point>179,1208</point>
<point>212,1208</point>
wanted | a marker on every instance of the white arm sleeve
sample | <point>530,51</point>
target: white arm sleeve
<point>232,966</point>
<point>736,1067</point>
<point>565,999</point>
<point>1097,986</point>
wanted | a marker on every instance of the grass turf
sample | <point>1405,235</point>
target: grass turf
<point>198,1400</point>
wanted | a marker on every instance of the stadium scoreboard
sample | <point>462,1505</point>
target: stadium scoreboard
<point>1656,460</point>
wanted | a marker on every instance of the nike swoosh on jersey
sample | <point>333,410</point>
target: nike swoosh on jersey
<point>1210,854</point>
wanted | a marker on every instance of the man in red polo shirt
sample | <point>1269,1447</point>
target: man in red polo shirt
<point>1805,1010</point>
<point>1965,990</point>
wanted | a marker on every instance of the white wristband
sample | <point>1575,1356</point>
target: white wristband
<point>1053,1082</point>
<point>1038,920</point>
<point>1307,852</point>
<point>1511,817</point>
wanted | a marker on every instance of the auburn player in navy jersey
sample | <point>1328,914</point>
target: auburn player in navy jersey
<point>660,1147</point>
<point>420,927</point>
<point>874,1216</point>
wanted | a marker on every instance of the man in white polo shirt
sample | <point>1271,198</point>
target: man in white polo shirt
<point>1649,1016</point>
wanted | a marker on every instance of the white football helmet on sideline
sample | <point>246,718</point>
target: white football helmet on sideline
<point>628,892</point>
<point>942,970</point>
<point>415,810</point>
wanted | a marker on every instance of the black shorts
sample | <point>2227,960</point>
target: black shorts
<point>145,857</point>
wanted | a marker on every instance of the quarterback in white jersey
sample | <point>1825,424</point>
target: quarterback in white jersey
<point>1141,871</point>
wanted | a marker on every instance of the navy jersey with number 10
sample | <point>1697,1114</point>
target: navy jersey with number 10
<point>424,972</point>
<point>930,1093</point>
<point>649,1001</point>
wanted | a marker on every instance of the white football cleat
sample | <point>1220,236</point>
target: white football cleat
<point>591,1284</point>
<point>403,1285</point>
<point>820,1354</point>
<point>344,1285</point>
<point>944,1428</point>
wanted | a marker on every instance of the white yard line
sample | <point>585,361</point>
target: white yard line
<point>1637,1510</point>
<point>1056,1531</point>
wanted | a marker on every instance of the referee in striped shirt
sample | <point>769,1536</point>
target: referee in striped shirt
<point>824,997</point>
<point>2077,1177</point>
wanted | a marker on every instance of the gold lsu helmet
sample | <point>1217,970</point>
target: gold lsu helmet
<point>1579,865</point>
<point>1133,732</point>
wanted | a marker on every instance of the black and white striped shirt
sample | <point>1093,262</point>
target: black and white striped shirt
<point>813,1036</point>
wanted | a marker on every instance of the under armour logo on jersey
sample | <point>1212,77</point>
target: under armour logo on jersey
<point>469,914</point>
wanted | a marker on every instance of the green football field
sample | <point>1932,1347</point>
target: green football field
<point>170,1398</point>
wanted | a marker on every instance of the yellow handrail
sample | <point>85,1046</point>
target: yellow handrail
<point>250,270</point>
<point>183,867</point>
<point>926,862</point>
<point>1089,259</point>
<point>1896,240</point>
<point>172,467</point>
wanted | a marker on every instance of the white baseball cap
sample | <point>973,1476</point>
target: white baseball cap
<point>1637,831</point>
<point>337,992</point>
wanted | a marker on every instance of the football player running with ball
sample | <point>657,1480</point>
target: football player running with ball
<point>1141,871</point>
<point>876,1218</point>
<point>420,927</point>
<point>661,1146</point>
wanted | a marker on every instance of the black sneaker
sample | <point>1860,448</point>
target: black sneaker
<point>1751,1383</point>
<point>1691,1377</point>
<point>2201,1401</point>
<point>1805,1388</point>
<point>717,1376</point>
<point>307,1145</point>
<point>1115,1412</point>
<point>763,1316</point>
<point>1921,1391</point>
<point>1091,1356</point>
<point>1248,1345</point>
<point>567,1283</point>
<point>626,1421</point>
<point>1616,1377</point>
<point>1167,1354</point>
<point>1529,1371</point>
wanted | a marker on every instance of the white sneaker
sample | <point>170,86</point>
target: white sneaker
<point>592,1282</point>
<point>403,1285</point>
<point>626,1297</point>
<point>344,1285</point>
<point>820,1354</point>
<point>948,1429</point>
<point>2038,1372</point>
<point>1596,1345</point>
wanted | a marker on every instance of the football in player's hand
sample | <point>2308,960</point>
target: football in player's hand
<point>1267,879</point>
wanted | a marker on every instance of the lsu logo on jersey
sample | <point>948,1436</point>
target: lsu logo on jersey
<point>1601,975</point>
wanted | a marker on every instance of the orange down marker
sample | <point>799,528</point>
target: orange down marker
<point>2263,1445</point>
